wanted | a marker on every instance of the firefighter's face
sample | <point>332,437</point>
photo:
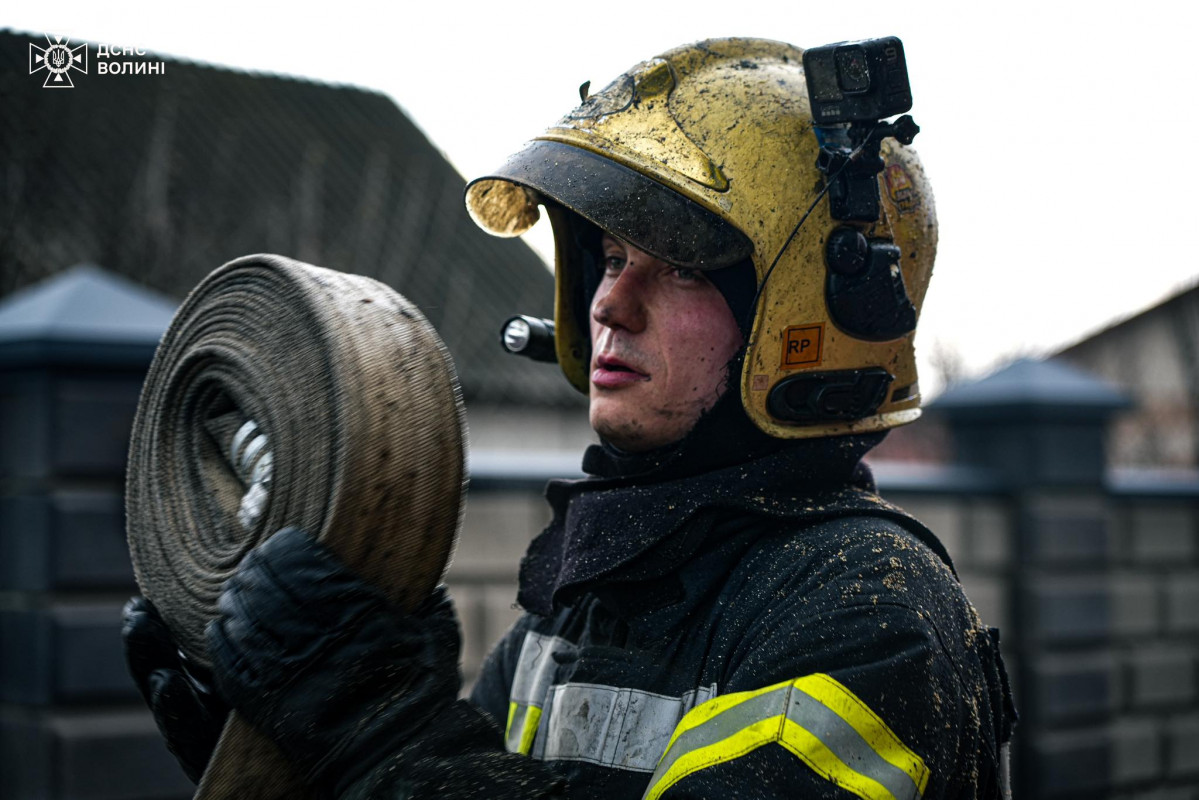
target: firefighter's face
<point>661,338</point>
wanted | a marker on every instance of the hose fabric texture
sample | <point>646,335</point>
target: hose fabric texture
<point>285,394</point>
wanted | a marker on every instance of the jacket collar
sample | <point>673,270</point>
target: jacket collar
<point>639,523</point>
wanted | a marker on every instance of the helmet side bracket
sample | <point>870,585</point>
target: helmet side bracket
<point>864,290</point>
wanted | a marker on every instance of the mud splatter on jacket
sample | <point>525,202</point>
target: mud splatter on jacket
<point>747,640</point>
<point>738,633</point>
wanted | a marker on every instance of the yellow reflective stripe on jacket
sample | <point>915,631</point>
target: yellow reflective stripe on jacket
<point>816,718</point>
<point>530,684</point>
<point>521,728</point>
<point>869,726</point>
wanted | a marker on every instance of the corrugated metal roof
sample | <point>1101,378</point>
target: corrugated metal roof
<point>162,178</point>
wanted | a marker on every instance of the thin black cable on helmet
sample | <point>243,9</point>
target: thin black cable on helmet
<point>820,195</point>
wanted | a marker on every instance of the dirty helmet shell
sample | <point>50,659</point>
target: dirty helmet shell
<point>706,156</point>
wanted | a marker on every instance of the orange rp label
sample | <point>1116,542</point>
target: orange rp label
<point>803,345</point>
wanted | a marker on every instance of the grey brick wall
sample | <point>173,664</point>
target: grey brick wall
<point>1096,591</point>
<point>1159,534</point>
<point>1111,672</point>
<point>1182,602</point>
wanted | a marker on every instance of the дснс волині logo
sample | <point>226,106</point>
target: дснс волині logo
<point>58,60</point>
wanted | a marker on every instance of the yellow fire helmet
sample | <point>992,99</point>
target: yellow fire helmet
<point>706,156</point>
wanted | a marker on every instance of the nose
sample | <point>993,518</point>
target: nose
<point>620,303</point>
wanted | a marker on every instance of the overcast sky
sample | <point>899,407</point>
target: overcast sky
<point>1059,137</point>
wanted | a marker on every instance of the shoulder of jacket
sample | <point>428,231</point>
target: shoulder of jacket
<point>863,558</point>
<point>848,507</point>
<point>804,538</point>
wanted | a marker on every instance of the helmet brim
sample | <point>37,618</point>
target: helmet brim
<point>645,213</point>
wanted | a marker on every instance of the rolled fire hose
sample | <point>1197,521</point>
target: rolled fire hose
<point>287,394</point>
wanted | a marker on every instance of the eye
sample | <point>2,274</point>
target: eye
<point>688,274</point>
<point>612,263</point>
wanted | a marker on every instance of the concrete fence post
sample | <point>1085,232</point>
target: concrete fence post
<point>1040,427</point>
<point>73,354</point>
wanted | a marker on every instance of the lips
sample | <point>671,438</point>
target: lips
<point>613,373</point>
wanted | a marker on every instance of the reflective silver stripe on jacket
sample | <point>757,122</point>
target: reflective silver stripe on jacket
<point>613,727</point>
<point>535,667</point>
<point>607,725</point>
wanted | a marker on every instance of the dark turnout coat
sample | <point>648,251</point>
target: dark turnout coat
<point>745,632</point>
<point>741,638</point>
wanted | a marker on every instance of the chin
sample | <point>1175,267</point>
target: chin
<point>626,429</point>
<point>622,430</point>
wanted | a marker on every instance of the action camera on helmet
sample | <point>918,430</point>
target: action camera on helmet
<point>857,81</point>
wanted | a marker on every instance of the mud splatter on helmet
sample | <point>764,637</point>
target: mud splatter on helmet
<point>705,156</point>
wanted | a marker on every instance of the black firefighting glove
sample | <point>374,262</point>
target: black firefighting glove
<point>322,663</point>
<point>188,712</point>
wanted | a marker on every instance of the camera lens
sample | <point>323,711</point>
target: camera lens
<point>853,71</point>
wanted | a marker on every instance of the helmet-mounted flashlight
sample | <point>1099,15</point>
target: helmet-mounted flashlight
<point>531,337</point>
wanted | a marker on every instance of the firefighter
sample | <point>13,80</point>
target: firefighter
<point>724,607</point>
